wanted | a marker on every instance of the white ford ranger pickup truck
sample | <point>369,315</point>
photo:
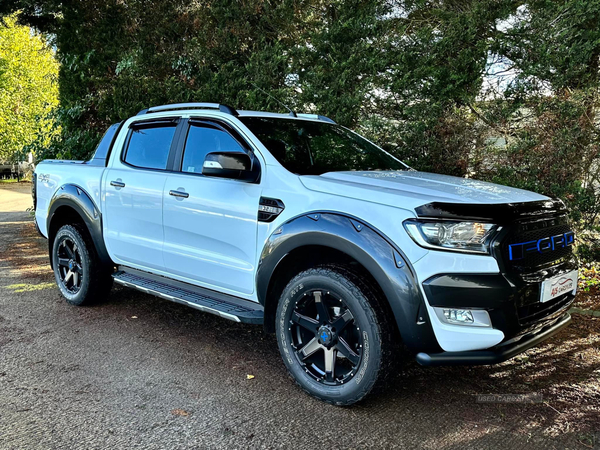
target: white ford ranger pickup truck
<point>303,226</point>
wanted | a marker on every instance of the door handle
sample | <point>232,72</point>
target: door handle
<point>179,194</point>
<point>117,184</point>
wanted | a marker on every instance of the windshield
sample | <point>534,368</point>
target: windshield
<point>312,148</point>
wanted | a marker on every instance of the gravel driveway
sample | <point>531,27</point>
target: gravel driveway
<point>140,372</point>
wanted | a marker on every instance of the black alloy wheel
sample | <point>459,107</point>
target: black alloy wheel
<point>326,340</point>
<point>333,335</point>
<point>80,275</point>
<point>69,265</point>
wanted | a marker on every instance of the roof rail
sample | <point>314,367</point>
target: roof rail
<point>177,106</point>
<point>316,117</point>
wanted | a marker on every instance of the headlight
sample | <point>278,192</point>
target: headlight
<point>470,237</point>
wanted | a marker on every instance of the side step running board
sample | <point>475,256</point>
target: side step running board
<point>228,307</point>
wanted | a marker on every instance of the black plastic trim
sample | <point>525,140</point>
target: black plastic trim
<point>269,217</point>
<point>503,213</point>
<point>372,250</point>
<point>163,121</point>
<point>173,162</point>
<point>34,196</point>
<point>228,110</point>
<point>220,125</point>
<point>496,354</point>
<point>34,190</point>
<point>77,198</point>
<point>468,291</point>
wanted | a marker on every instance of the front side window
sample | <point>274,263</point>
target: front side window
<point>149,146</point>
<point>312,148</point>
<point>202,140</point>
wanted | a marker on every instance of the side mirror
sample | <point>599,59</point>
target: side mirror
<point>237,166</point>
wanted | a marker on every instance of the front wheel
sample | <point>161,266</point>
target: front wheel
<point>332,335</point>
<point>80,275</point>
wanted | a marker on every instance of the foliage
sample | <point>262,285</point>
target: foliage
<point>589,277</point>
<point>549,110</point>
<point>501,90</point>
<point>28,90</point>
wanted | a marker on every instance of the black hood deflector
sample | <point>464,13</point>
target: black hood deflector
<point>496,213</point>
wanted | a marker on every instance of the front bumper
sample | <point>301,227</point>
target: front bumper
<point>512,300</point>
<point>497,354</point>
<point>511,296</point>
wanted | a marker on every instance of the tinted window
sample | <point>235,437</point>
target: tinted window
<point>149,147</point>
<point>104,146</point>
<point>202,140</point>
<point>313,148</point>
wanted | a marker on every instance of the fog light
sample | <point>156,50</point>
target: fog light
<point>468,317</point>
<point>458,316</point>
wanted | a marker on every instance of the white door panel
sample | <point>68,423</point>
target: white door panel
<point>133,228</point>
<point>210,236</point>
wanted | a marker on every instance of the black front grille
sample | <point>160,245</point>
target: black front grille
<point>534,230</point>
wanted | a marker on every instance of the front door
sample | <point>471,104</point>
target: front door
<point>210,224</point>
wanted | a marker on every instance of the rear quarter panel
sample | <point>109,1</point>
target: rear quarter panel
<point>52,174</point>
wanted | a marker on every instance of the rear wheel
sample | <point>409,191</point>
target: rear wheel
<point>332,335</point>
<point>80,275</point>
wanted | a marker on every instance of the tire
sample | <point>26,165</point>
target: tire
<point>80,275</point>
<point>345,315</point>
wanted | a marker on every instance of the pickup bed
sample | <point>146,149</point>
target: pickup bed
<point>300,225</point>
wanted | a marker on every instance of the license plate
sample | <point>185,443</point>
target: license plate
<point>558,285</point>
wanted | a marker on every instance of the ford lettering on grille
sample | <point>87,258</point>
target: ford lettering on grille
<point>545,245</point>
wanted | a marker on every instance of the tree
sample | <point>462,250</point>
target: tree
<point>413,75</point>
<point>28,89</point>
<point>550,109</point>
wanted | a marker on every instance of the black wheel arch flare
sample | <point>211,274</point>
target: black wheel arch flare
<point>80,201</point>
<point>349,235</point>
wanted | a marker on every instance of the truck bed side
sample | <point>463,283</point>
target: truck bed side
<point>52,174</point>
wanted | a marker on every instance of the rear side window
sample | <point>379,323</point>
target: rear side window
<point>149,146</point>
<point>103,149</point>
<point>202,140</point>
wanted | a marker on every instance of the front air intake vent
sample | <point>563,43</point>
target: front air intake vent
<point>269,208</point>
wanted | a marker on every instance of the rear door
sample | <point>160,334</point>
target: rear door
<point>133,186</point>
<point>210,231</point>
